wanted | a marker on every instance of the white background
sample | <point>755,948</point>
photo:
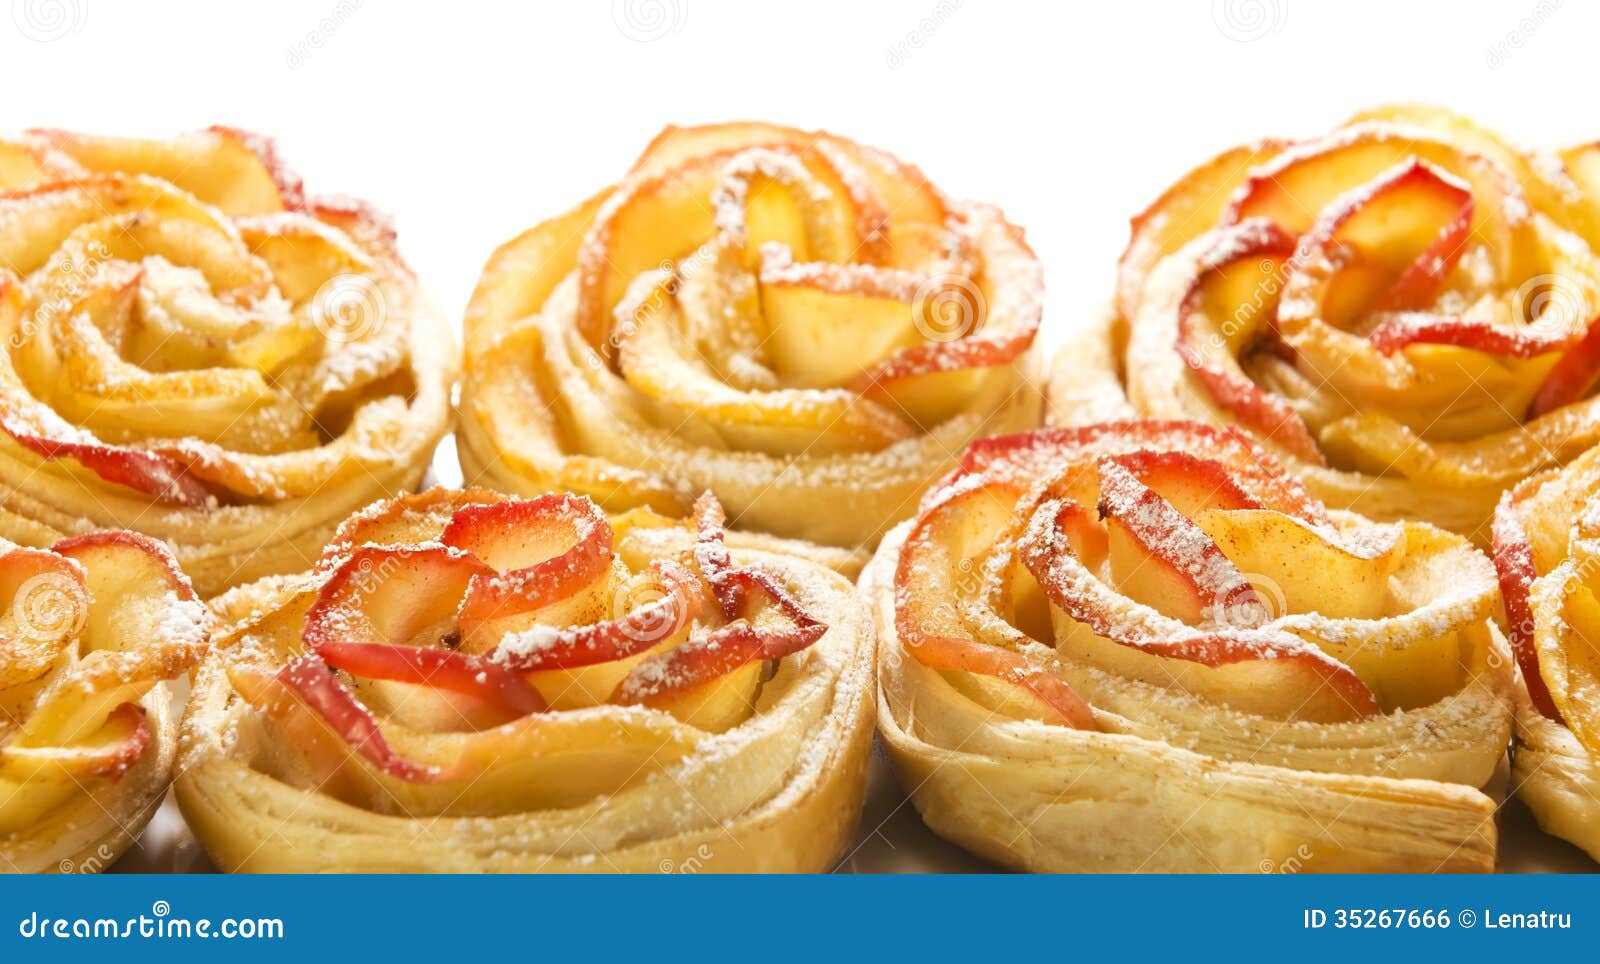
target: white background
<point>472,121</point>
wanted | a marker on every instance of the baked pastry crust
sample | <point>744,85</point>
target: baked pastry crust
<point>623,695</point>
<point>194,348</point>
<point>91,634</point>
<point>1547,551</point>
<point>1143,646</point>
<point>803,325</point>
<point>1402,310</point>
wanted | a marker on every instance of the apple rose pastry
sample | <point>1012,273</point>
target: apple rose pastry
<point>1403,311</point>
<point>1144,646</point>
<point>91,632</point>
<point>800,324</point>
<point>1547,550</point>
<point>191,348</point>
<point>470,682</point>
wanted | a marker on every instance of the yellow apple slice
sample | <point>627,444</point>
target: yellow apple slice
<point>236,170</point>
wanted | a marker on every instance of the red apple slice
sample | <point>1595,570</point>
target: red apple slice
<point>710,657</point>
<point>115,559</point>
<point>1162,558</point>
<point>711,553</point>
<point>930,628</point>
<point>1419,328</point>
<point>404,521</point>
<point>320,691</point>
<point>647,220</point>
<point>750,638</point>
<point>162,478</point>
<point>1396,236</point>
<point>43,602</point>
<point>961,354</point>
<point>1240,250</point>
<point>734,587</point>
<point>1045,551</point>
<point>731,586</point>
<point>1513,561</point>
<point>543,551</point>
<point>392,594</point>
<point>322,749</point>
<point>1297,185</point>
<point>137,592</point>
<point>386,614</point>
<point>1194,204</point>
<point>839,165</point>
<point>1412,207</point>
<point>443,669</point>
<point>78,700</point>
<point>119,744</point>
<point>1189,482</point>
<point>550,647</point>
<point>108,753</point>
<point>997,323</point>
<point>1027,456</point>
<point>132,616</point>
<point>1572,377</point>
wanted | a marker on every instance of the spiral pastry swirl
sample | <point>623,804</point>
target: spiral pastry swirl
<point>1403,310</point>
<point>1144,646</point>
<point>1547,551</point>
<point>800,324</point>
<point>194,349</point>
<point>471,682</point>
<point>91,631</point>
